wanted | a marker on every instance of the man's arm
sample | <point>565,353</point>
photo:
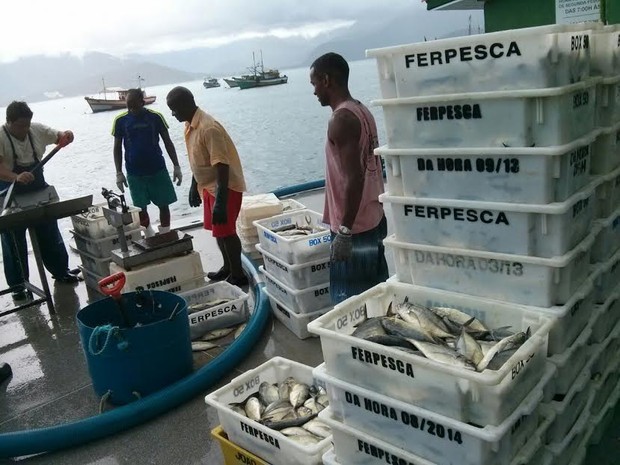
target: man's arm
<point>118,154</point>
<point>344,132</point>
<point>172,153</point>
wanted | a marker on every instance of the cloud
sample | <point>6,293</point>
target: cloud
<point>122,26</point>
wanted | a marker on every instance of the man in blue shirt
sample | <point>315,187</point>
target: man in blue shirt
<point>139,129</point>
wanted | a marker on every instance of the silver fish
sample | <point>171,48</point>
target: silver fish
<point>404,329</point>
<point>389,340</point>
<point>268,393</point>
<point>428,321</point>
<point>368,328</point>
<point>318,428</point>
<point>500,359</point>
<point>443,354</point>
<point>313,405</point>
<point>459,317</point>
<point>296,431</point>
<point>253,409</point>
<point>309,440</point>
<point>239,330</point>
<point>198,346</point>
<point>304,411</point>
<point>217,334</point>
<point>469,347</point>
<point>299,394</point>
<point>508,343</point>
<point>322,400</point>
<point>238,409</point>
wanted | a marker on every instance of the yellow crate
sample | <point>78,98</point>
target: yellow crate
<point>233,454</point>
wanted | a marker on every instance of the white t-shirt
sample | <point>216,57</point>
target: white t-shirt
<point>42,136</point>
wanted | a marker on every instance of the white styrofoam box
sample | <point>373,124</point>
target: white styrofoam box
<point>608,194</point>
<point>254,207</point>
<point>297,323</point>
<point>532,175</point>
<point>172,274</point>
<point>233,312</point>
<point>605,51</point>
<point>354,447</point>
<point>603,391</point>
<point>546,231</point>
<point>533,452</point>
<point>99,266</point>
<point>606,150</point>
<point>571,362</point>
<point>92,223</point>
<point>249,232</point>
<point>607,316</point>
<point>607,279</point>
<point>429,435</point>
<point>488,397</point>
<point>298,249</point>
<point>600,422</point>
<point>268,444</point>
<point>569,409</point>
<point>306,300</point>
<point>608,240</point>
<point>605,355</point>
<point>518,118</point>
<point>529,58</point>
<point>541,282</point>
<point>102,248</point>
<point>300,276</point>
<point>607,101</point>
<point>563,451</point>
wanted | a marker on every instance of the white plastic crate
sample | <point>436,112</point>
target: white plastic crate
<point>92,224</point>
<point>540,282</point>
<point>249,232</point>
<point>306,300</point>
<point>354,447</point>
<point>599,423</point>
<point>173,274</point>
<point>98,266</point>
<point>608,101</point>
<point>606,150</point>
<point>570,408</point>
<point>607,316</point>
<point>538,230</point>
<point>608,194</point>
<point>297,323</point>
<point>603,390</point>
<point>484,398</point>
<point>271,445</point>
<point>329,458</point>
<point>533,452</point>
<point>607,279</point>
<point>531,175</point>
<point>520,118</point>
<point>605,52</point>
<point>91,279</point>
<point>605,355</point>
<point>432,436</point>
<point>571,362</point>
<point>254,207</point>
<point>299,249</point>
<point>563,451</point>
<point>608,240</point>
<point>300,276</point>
<point>530,58</point>
<point>102,248</point>
<point>233,312</point>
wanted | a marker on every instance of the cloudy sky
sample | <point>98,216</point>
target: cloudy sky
<point>126,26</point>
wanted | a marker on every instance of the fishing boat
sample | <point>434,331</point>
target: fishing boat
<point>261,77</point>
<point>98,105</point>
<point>210,83</point>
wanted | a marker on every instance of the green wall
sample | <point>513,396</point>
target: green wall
<point>500,15</point>
<point>612,11</point>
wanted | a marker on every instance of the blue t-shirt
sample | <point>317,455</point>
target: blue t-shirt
<point>140,134</point>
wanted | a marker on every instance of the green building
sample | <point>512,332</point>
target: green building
<point>500,15</point>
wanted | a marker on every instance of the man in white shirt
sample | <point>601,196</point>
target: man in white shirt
<point>22,145</point>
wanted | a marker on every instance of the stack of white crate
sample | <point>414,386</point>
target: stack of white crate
<point>95,239</point>
<point>497,170</point>
<point>296,268</point>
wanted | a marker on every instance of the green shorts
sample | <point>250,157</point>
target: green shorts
<point>156,188</point>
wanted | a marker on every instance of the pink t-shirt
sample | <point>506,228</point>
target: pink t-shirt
<point>370,210</point>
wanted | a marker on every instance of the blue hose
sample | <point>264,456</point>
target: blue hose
<point>78,432</point>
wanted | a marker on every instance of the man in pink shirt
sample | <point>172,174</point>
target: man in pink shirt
<point>353,183</point>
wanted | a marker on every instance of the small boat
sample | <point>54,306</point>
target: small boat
<point>260,77</point>
<point>209,83</point>
<point>119,103</point>
<point>232,82</point>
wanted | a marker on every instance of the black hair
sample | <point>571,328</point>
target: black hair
<point>333,65</point>
<point>17,110</point>
<point>135,93</point>
<point>181,95</point>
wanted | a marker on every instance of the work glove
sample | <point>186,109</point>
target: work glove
<point>194,196</point>
<point>220,215</point>
<point>121,181</point>
<point>177,175</point>
<point>342,247</point>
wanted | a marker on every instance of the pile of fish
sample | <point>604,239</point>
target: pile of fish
<point>445,335</point>
<point>290,407</point>
<point>211,340</point>
<point>204,305</point>
<point>292,230</point>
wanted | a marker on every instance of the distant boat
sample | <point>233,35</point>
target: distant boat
<point>119,103</point>
<point>260,77</point>
<point>232,82</point>
<point>209,83</point>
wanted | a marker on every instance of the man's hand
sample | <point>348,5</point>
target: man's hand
<point>342,247</point>
<point>220,215</point>
<point>121,181</point>
<point>177,175</point>
<point>65,138</point>
<point>24,178</point>
<point>194,196</point>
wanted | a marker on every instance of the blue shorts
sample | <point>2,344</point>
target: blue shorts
<point>156,188</point>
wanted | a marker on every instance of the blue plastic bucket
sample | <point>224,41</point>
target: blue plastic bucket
<point>153,351</point>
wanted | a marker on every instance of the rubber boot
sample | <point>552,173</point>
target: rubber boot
<point>164,229</point>
<point>149,231</point>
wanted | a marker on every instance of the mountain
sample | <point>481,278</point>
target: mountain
<point>70,75</point>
